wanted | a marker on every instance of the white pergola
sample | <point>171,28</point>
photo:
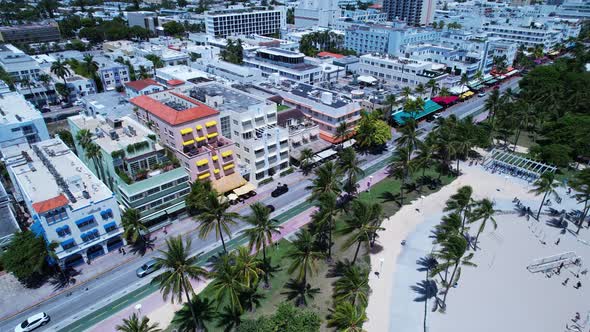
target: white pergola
<point>516,164</point>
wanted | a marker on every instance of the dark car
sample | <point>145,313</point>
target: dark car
<point>66,105</point>
<point>45,110</point>
<point>271,208</point>
<point>281,189</point>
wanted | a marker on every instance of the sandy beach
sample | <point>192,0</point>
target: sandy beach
<point>500,294</point>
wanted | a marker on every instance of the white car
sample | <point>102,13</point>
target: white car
<point>481,94</point>
<point>33,322</point>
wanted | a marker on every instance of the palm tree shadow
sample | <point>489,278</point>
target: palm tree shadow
<point>389,196</point>
<point>426,290</point>
<point>142,246</point>
<point>376,248</point>
<point>64,280</point>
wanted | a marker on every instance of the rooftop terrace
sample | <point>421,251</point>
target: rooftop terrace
<point>232,100</point>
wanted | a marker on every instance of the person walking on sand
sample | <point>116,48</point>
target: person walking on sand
<point>578,285</point>
<point>557,242</point>
<point>565,281</point>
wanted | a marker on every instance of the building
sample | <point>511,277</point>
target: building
<point>68,204</point>
<point>134,166</point>
<point>303,132</point>
<point>78,86</point>
<point>20,121</point>
<point>230,71</point>
<point>8,224</point>
<point>262,147</point>
<point>400,72</point>
<point>109,104</point>
<point>191,130</point>
<point>145,19</point>
<point>142,87</point>
<point>18,64</point>
<point>574,9</point>
<point>246,21</point>
<point>30,33</point>
<point>413,12</point>
<point>283,63</point>
<point>525,35</point>
<point>168,56</point>
<point>317,13</point>
<point>386,39</point>
<point>112,74</point>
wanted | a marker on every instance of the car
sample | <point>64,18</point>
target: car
<point>45,110</point>
<point>33,322</point>
<point>436,116</point>
<point>146,268</point>
<point>271,208</point>
<point>281,189</point>
<point>66,105</point>
<point>481,94</point>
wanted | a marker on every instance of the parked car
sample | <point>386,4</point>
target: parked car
<point>281,189</point>
<point>146,268</point>
<point>33,322</point>
<point>66,105</point>
<point>270,208</point>
<point>45,110</point>
<point>481,94</point>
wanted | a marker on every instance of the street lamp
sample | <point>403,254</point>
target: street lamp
<point>138,308</point>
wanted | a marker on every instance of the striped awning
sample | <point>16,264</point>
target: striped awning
<point>228,166</point>
<point>202,138</point>
<point>216,171</point>
<point>215,158</point>
<point>85,220</point>
<point>67,242</point>
<point>199,127</point>
<point>112,224</point>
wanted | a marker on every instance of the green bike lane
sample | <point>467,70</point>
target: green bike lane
<point>142,292</point>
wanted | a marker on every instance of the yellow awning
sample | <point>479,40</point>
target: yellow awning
<point>202,162</point>
<point>228,182</point>
<point>215,158</point>
<point>228,166</point>
<point>243,190</point>
<point>202,138</point>
<point>210,124</point>
<point>204,175</point>
<point>186,131</point>
<point>189,142</point>
<point>226,153</point>
<point>212,135</point>
<point>199,127</point>
<point>216,171</point>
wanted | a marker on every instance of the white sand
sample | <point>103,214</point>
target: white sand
<point>499,294</point>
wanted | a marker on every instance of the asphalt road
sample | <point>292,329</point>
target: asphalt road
<point>66,307</point>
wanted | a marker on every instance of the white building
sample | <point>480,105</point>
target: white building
<point>68,204</point>
<point>145,19</point>
<point>528,36</point>
<point>18,64</point>
<point>142,87</point>
<point>399,72</point>
<point>317,13</point>
<point>20,122</point>
<point>262,147</point>
<point>246,21</point>
<point>169,56</point>
<point>112,74</point>
<point>287,64</point>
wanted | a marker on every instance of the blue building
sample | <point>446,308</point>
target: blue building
<point>20,121</point>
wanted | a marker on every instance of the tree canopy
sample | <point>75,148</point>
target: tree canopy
<point>26,256</point>
<point>287,318</point>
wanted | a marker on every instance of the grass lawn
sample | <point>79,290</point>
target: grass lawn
<point>525,139</point>
<point>281,108</point>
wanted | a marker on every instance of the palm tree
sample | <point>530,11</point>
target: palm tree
<point>300,291</point>
<point>406,92</point>
<point>424,157</point>
<point>362,222</point>
<point>306,159</point>
<point>226,283</point>
<point>261,232</point>
<point>484,211</point>
<point>25,82</point>
<point>426,289</point>
<point>323,217</point>
<point>444,91</point>
<point>453,252</point>
<point>60,69</point>
<point>143,73</point>
<point>478,76</point>
<point>342,132</point>
<point>492,104</point>
<point>399,168</point>
<point>461,203</point>
<point>353,287</point>
<point>327,180</point>
<point>94,153</point>
<point>179,269</point>
<point>230,318</point>
<point>84,137</point>
<point>215,216</point>
<point>90,65</point>
<point>391,102</point>
<point>251,298</point>
<point>347,318</point>
<point>420,89</point>
<point>135,324</point>
<point>349,167</point>
<point>204,310</point>
<point>410,137</point>
<point>304,255</point>
<point>197,196</point>
<point>133,227</point>
<point>156,61</point>
<point>545,185</point>
<point>45,79</point>
<point>433,86</point>
<point>464,80</point>
<point>248,268</point>
<point>581,184</point>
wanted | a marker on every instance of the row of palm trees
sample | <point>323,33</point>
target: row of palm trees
<point>91,151</point>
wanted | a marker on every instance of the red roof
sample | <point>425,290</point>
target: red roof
<point>50,204</point>
<point>170,115</point>
<point>445,100</point>
<point>175,82</point>
<point>141,84</point>
<point>330,54</point>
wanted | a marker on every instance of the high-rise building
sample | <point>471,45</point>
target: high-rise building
<point>238,22</point>
<point>414,12</point>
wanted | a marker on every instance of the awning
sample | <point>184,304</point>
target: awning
<point>67,242</point>
<point>110,225</point>
<point>228,166</point>
<point>107,212</point>
<point>210,124</point>
<point>492,81</point>
<point>232,197</point>
<point>85,220</point>
<point>226,153</point>
<point>199,127</point>
<point>367,79</point>
<point>228,183</point>
<point>189,142</point>
<point>214,158</point>
<point>216,171</point>
<point>243,190</point>
<point>204,175</point>
<point>348,143</point>
<point>202,138</point>
<point>466,94</point>
<point>212,135</point>
<point>202,162</point>
<point>176,208</point>
<point>429,108</point>
<point>186,131</point>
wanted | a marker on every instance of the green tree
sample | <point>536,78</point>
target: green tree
<point>134,229</point>
<point>248,268</point>
<point>300,291</point>
<point>347,318</point>
<point>67,138</point>
<point>26,257</point>
<point>545,185</point>
<point>230,318</point>
<point>462,203</point>
<point>306,159</point>
<point>291,16</point>
<point>342,132</point>
<point>353,287</point>
<point>349,165</point>
<point>93,152</point>
<point>173,28</point>
<point>372,132</point>
<point>137,324</point>
<point>226,282</point>
<point>204,310</point>
<point>581,184</point>
<point>433,86</point>
<point>399,168</point>
<point>484,211</point>
<point>287,318</point>
<point>453,252</point>
<point>327,179</point>
<point>304,256</point>
<point>216,217</point>
<point>60,70</point>
<point>323,219</point>
<point>361,223</point>
<point>196,198</point>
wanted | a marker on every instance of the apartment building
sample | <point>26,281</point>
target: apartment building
<point>399,72</point>
<point>145,19</point>
<point>168,56</point>
<point>262,148</point>
<point>528,36</point>
<point>30,33</point>
<point>456,61</point>
<point>109,104</point>
<point>68,203</point>
<point>20,121</point>
<point>191,130</point>
<point>246,21</point>
<point>142,87</point>
<point>8,224</point>
<point>386,39</point>
<point>112,74</point>
<point>317,13</point>
<point>18,64</point>
<point>287,64</point>
<point>414,12</point>
<point>141,172</point>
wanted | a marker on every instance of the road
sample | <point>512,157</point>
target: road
<point>86,301</point>
<point>58,113</point>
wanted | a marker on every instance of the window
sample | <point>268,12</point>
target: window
<point>153,191</point>
<point>136,197</point>
<point>63,231</point>
<point>167,185</point>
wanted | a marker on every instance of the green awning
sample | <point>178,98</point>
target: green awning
<point>429,108</point>
<point>176,208</point>
<point>492,81</point>
<point>476,86</point>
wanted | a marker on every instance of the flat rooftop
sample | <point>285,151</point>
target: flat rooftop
<point>14,108</point>
<point>233,100</point>
<point>8,224</point>
<point>52,175</point>
<point>181,72</point>
<point>110,104</point>
<point>128,132</point>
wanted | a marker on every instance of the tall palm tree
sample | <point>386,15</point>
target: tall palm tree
<point>323,217</point>
<point>545,185</point>
<point>304,255</point>
<point>391,102</point>
<point>410,137</point>
<point>94,153</point>
<point>248,268</point>
<point>261,232</point>
<point>306,159</point>
<point>484,211</point>
<point>492,104</point>
<point>433,86</point>
<point>362,222</point>
<point>399,168</point>
<point>581,184</point>
<point>453,252</point>
<point>444,92</point>
<point>424,156</point>
<point>230,318</point>
<point>143,73</point>
<point>84,137</point>
<point>347,318</point>
<point>342,132</point>
<point>226,283</point>
<point>420,89</point>
<point>196,198</point>
<point>60,69</point>
<point>350,168</point>
<point>406,92</point>
<point>90,64</point>
<point>461,203</point>
<point>300,291</point>
<point>133,227</point>
<point>464,80</point>
<point>353,287</point>
<point>204,310</point>
<point>327,180</point>
<point>179,269</point>
<point>216,217</point>
<point>135,324</point>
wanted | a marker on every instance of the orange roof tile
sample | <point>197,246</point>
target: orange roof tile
<point>330,54</point>
<point>50,204</point>
<point>175,82</point>
<point>141,84</point>
<point>170,115</point>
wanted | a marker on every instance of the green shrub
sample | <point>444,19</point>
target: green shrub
<point>265,181</point>
<point>287,171</point>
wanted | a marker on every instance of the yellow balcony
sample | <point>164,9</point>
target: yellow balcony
<point>210,124</point>
<point>202,138</point>
<point>228,166</point>
<point>202,162</point>
<point>212,135</point>
<point>215,158</point>
<point>227,153</point>
<point>189,142</point>
<point>199,127</point>
<point>204,176</point>
<point>216,171</point>
<point>186,131</point>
